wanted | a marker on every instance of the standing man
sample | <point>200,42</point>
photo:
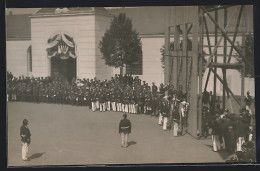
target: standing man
<point>248,101</point>
<point>124,130</point>
<point>25,138</point>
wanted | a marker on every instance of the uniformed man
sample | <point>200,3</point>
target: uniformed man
<point>108,100</point>
<point>165,112</point>
<point>154,88</point>
<point>102,100</point>
<point>248,101</point>
<point>25,138</point>
<point>216,133</point>
<point>93,101</point>
<point>113,101</point>
<point>124,130</point>
<point>176,121</point>
<point>118,101</point>
<point>162,90</point>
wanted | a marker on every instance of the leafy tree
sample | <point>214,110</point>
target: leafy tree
<point>249,54</point>
<point>162,50</point>
<point>121,43</point>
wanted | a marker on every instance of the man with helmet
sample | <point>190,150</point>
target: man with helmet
<point>25,138</point>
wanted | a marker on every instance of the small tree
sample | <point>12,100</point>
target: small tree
<point>121,44</point>
<point>249,54</point>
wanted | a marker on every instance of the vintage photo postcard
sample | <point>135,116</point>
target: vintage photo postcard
<point>130,85</point>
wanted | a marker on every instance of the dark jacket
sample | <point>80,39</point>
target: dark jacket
<point>125,126</point>
<point>216,127</point>
<point>25,131</point>
<point>243,129</point>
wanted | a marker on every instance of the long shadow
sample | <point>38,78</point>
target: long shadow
<point>131,143</point>
<point>36,155</point>
<point>223,154</point>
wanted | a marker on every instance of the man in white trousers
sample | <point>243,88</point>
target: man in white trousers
<point>124,130</point>
<point>25,138</point>
<point>215,134</point>
<point>176,120</point>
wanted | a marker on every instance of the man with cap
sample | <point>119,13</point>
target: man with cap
<point>242,132</point>
<point>176,120</point>
<point>165,112</point>
<point>124,130</point>
<point>113,101</point>
<point>154,88</point>
<point>25,138</point>
<point>216,133</point>
<point>118,101</point>
<point>248,101</point>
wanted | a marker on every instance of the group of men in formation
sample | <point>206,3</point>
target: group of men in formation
<point>229,130</point>
<point>131,95</point>
<point>122,93</point>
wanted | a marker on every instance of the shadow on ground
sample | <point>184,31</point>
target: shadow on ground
<point>35,156</point>
<point>223,154</point>
<point>131,143</point>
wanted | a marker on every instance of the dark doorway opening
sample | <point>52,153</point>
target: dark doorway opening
<point>63,68</point>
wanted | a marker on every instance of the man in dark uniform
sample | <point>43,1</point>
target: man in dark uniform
<point>25,138</point>
<point>162,90</point>
<point>118,102</point>
<point>176,121</point>
<point>242,132</point>
<point>205,98</point>
<point>248,101</point>
<point>154,88</point>
<point>113,101</point>
<point>124,130</point>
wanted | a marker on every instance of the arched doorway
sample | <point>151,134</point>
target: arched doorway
<point>61,51</point>
<point>63,68</point>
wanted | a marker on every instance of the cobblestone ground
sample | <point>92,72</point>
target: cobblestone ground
<point>71,135</point>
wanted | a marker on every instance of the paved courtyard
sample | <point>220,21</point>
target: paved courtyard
<point>72,135</point>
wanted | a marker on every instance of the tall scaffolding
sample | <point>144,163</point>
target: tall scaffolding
<point>176,60</point>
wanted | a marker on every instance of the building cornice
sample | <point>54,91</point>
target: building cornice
<point>18,39</point>
<point>68,14</point>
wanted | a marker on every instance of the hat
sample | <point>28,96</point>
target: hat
<point>25,122</point>
<point>226,110</point>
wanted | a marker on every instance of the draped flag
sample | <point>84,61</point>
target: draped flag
<point>61,45</point>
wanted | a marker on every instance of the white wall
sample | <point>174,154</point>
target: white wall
<point>102,70</point>
<point>81,28</point>
<point>16,56</point>
<point>152,69</point>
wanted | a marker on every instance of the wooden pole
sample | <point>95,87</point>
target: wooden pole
<point>235,34</point>
<point>224,61</point>
<point>226,87</point>
<point>175,59</point>
<point>215,60</point>
<point>201,23</point>
<point>210,52</point>
<point>228,39</point>
<point>184,52</point>
<point>243,73</point>
<point>167,46</point>
<point>243,86</point>
<point>192,118</point>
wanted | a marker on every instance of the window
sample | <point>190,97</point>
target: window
<point>29,58</point>
<point>135,69</point>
